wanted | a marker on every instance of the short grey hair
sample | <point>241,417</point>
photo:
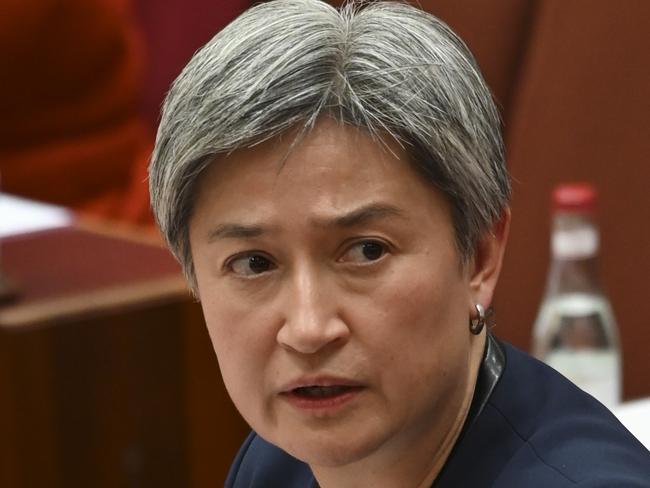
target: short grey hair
<point>386,67</point>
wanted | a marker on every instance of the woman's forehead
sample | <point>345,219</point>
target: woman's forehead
<point>328,150</point>
<point>327,139</point>
<point>335,177</point>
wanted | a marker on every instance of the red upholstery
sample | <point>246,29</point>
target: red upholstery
<point>71,73</point>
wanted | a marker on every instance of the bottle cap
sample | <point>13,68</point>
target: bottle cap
<point>574,197</point>
<point>581,239</point>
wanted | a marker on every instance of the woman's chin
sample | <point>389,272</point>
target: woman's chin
<point>329,451</point>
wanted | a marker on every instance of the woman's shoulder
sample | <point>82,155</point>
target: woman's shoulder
<point>550,430</point>
<point>261,464</point>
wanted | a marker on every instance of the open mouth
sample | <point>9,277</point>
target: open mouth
<point>320,397</point>
<point>317,392</point>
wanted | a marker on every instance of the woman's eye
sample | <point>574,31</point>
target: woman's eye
<point>251,264</point>
<point>365,251</point>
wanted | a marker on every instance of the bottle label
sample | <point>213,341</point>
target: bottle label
<point>596,372</point>
<point>575,243</point>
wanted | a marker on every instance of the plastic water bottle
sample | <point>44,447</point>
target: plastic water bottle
<point>575,331</point>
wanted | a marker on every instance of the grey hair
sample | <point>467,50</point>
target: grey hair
<point>386,67</point>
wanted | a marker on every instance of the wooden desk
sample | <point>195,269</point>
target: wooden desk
<point>107,375</point>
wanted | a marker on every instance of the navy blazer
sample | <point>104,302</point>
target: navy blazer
<point>535,430</point>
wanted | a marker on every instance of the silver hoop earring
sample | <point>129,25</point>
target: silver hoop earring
<point>476,324</point>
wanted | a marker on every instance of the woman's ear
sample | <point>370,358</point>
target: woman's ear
<point>486,263</point>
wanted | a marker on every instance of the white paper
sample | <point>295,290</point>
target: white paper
<point>19,215</point>
<point>635,416</point>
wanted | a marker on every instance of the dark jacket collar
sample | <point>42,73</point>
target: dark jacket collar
<point>494,361</point>
<point>492,366</point>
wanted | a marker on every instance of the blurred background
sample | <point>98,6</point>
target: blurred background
<point>107,376</point>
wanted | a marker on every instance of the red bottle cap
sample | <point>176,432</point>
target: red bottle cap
<point>574,197</point>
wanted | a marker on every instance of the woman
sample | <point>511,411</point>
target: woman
<point>334,186</point>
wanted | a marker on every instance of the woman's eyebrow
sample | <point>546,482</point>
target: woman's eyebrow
<point>236,231</point>
<point>352,218</point>
<point>362,215</point>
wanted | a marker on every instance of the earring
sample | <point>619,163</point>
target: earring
<point>476,324</point>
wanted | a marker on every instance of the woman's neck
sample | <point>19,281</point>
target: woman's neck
<point>417,460</point>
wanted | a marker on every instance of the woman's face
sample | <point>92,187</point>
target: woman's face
<point>334,295</point>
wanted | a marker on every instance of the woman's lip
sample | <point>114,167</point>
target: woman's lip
<point>330,402</point>
<point>306,381</point>
<point>302,400</point>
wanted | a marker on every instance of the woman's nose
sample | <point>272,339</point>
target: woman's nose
<point>311,320</point>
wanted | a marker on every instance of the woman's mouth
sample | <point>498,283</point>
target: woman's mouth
<point>321,397</point>
<point>320,391</point>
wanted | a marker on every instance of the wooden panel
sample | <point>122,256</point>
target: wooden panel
<point>27,397</point>
<point>215,428</point>
<point>98,403</point>
<point>107,374</point>
<point>134,398</point>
